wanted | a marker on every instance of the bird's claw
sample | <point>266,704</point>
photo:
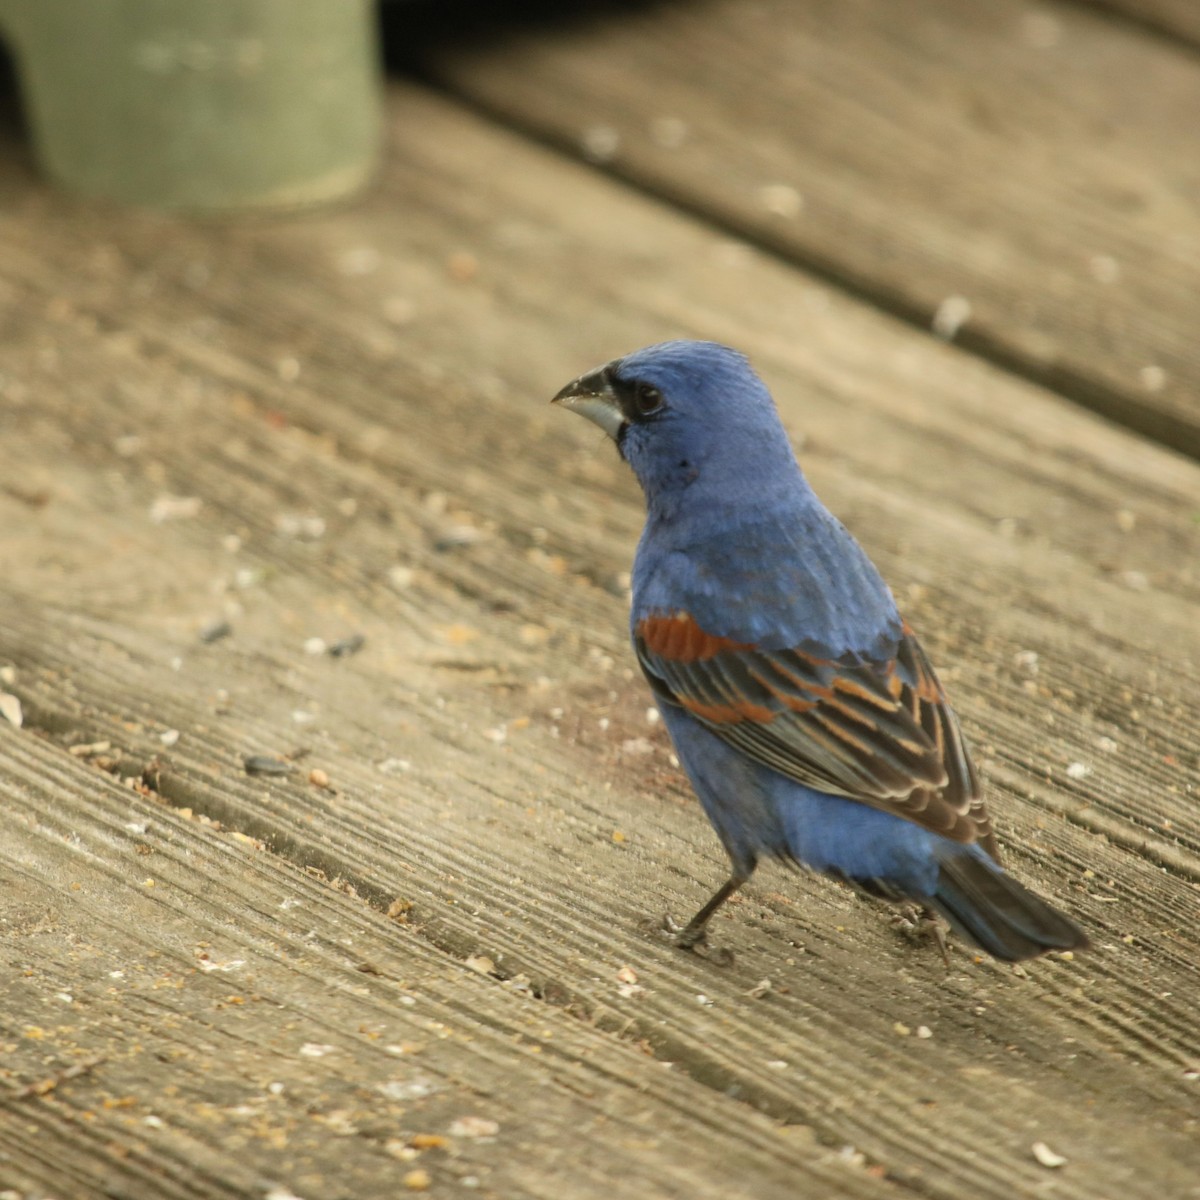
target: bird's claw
<point>695,940</point>
<point>918,922</point>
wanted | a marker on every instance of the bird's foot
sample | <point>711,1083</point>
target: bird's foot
<point>917,922</point>
<point>695,939</point>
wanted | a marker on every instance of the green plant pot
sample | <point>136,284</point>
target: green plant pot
<point>200,105</point>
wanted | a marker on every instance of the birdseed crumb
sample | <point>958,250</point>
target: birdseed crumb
<point>1046,1156</point>
<point>600,143</point>
<point>951,315</point>
<point>474,1127</point>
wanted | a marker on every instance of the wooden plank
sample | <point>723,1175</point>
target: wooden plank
<point>1175,18</point>
<point>1025,171</point>
<point>241,1021</point>
<point>398,357</point>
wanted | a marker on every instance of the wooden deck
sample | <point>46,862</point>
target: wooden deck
<point>421,961</point>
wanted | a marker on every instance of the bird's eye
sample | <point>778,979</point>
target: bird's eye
<point>647,399</point>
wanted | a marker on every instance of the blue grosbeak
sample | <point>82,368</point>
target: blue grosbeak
<point>800,703</point>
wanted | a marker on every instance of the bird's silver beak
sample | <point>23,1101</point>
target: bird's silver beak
<point>592,396</point>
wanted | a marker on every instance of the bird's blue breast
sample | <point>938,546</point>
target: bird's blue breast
<point>789,578</point>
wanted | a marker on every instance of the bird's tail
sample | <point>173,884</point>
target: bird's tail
<point>991,908</point>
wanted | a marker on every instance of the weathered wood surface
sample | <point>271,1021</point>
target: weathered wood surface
<point>1175,18</point>
<point>198,938</point>
<point>1022,174</point>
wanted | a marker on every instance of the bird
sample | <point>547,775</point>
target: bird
<point>800,703</point>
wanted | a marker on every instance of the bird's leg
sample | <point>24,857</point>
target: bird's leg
<point>694,933</point>
<point>937,928</point>
<point>920,921</point>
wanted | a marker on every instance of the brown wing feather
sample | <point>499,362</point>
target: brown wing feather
<point>879,732</point>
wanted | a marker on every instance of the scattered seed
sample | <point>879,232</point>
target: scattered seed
<point>474,1127</point>
<point>1046,1156</point>
<point>305,527</point>
<point>455,536</point>
<point>174,508</point>
<point>347,646</point>
<point>418,1180</point>
<point>1153,378</point>
<point>481,963</point>
<point>600,143</point>
<point>760,989</point>
<point>781,200</point>
<point>318,778</point>
<point>90,749</point>
<point>428,1141</point>
<point>951,315</point>
<point>10,709</point>
<point>288,369</point>
<point>248,577</point>
<point>215,631</point>
<point>169,737</point>
<point>407,1089</point>
<point>264,764</point>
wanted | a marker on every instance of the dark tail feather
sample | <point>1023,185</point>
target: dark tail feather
<point>991,908</point>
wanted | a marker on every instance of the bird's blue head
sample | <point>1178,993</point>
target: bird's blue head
<point>688,417</point>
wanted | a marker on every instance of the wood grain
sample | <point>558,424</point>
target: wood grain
<point>385,371</point>
<point>1174,18</point>
<point>1022,175</point>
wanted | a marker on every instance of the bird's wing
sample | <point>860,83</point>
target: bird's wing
<point>878,732</point>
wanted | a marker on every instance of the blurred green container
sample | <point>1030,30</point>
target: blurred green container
<point>200,105</point>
